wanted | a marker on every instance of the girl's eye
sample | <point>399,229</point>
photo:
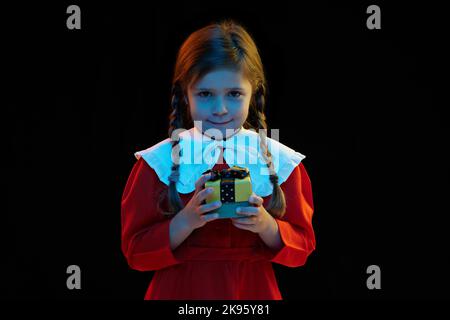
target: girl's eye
<point>235,94</point>
<point>204,94</point>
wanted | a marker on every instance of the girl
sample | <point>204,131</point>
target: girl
<point>218,86</point>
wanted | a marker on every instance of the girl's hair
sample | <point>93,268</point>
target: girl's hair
<point>220,45</point>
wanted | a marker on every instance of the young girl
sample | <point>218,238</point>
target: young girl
<point>218,86</point>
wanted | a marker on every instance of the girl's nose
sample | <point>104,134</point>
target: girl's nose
<point>220,107</point>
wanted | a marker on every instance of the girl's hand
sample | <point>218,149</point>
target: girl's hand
<point>257,219</point>
<point>193,213</point>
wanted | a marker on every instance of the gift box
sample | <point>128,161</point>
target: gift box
<point>232,187</point>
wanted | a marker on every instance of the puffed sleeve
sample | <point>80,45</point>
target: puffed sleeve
<point>295,226</point>
<point>145,231</point>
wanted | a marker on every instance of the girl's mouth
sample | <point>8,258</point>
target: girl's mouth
<point>220,123</point>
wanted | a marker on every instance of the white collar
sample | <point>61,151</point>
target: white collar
<point>200,153</point>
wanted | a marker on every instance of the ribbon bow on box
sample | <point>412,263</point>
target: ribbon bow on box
<point>233,172</point>
<point>232,187</point>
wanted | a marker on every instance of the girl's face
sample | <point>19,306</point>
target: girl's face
<point>220,100</point>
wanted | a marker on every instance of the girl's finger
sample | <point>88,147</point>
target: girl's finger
<point>201,182</point>
<point>245,221</point>
<point>254,199</point>
<point>202,195</point>
<point>209,206</point>
<point>209,217</point>
<point>247,211</point>
<point>241,225</point>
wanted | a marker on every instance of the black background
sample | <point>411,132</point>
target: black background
<point>360,104</point>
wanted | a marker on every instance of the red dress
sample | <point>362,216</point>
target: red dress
<point>217,261</point>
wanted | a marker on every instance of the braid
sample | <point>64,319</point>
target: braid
<point>175,122</point>
<point>277,204</point>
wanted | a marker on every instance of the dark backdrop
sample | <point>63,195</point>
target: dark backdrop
<point>362,104</point>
